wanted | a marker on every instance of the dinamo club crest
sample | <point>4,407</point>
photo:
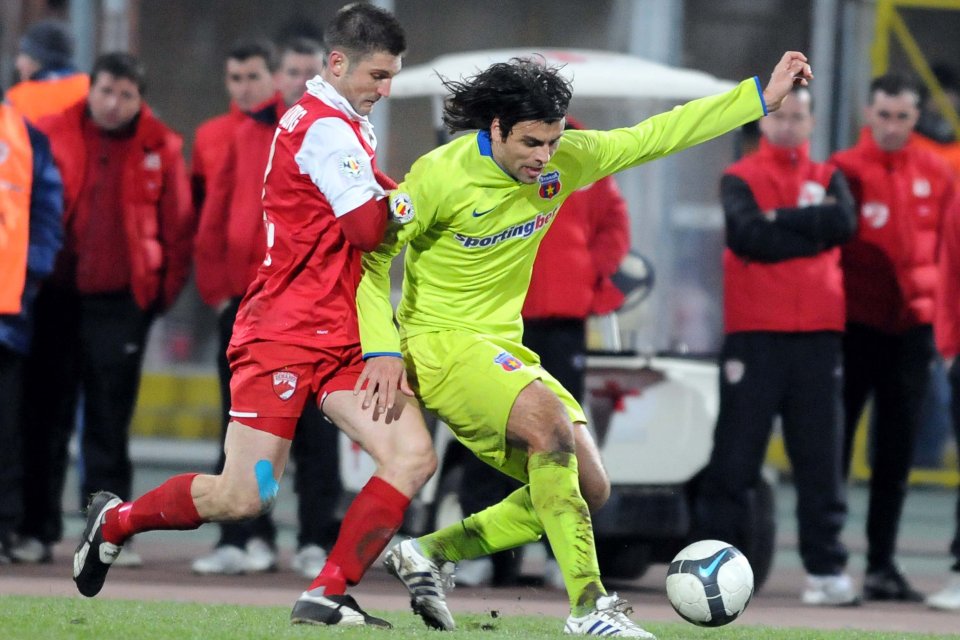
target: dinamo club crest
<point>549,185</point>
<point>508,361</point>
<point>284,384</point>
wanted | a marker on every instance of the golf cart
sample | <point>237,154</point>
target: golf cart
<point>653,415</point>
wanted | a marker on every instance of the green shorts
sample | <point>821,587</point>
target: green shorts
<point>471,381</point>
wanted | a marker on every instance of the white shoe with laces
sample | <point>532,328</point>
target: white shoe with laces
<point>426,582</point>
<point>948,598</point>
<point>830,591</point>
<point>609,618</point>
<point>309,561</point>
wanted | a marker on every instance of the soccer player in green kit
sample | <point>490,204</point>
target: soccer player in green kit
<point>472,214</point>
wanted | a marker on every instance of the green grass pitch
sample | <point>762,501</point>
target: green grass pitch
<point>36,618</point>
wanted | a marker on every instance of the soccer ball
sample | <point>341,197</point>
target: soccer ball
<point>709,583</point>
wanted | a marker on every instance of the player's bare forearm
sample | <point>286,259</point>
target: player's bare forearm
<point>792,69</point>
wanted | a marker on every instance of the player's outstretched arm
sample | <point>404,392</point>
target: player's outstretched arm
<point>792,69</point>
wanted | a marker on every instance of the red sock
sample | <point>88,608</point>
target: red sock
<point>169,506</point>
<point>372,519</point>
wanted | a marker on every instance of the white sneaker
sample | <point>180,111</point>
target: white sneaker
<point>424,580</point>
<point>608,619</point>
<point>830,591</point>
<point>947,598</point>
<point>260,556</point>
<point>309,561</point>
<point>30,551</point>
<point>227,560</point>
<point>474,573</point>
<point>128,558</point>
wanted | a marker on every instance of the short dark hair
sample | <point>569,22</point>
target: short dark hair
<point>514,91</point>
<point>302,46</point>
<point>893,84</point>
<point>121,65</point>
<point>360,29</point>
<point>257,48</point>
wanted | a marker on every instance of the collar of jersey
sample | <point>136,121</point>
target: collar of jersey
<point>485,149</point>
<point>320,88</point>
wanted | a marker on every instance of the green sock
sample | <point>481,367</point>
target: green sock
<point>555,492</point>
<point>509,523</point>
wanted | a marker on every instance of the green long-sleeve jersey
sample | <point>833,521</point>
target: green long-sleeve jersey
<point>472,230</point>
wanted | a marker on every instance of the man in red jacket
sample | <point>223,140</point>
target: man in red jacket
<point>783,316</point>
<point>248,76</point>
<point>128,226</point>
<point>891,278</point>
<point>228,250</point>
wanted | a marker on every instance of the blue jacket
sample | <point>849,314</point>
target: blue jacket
<point>46,238</point>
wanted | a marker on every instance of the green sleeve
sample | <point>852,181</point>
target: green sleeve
<point>409,217</point>
<point>680,128</point>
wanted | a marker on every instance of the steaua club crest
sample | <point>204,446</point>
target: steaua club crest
<point>508,361</point>
<point>549,185</point>
<point>284,384</point>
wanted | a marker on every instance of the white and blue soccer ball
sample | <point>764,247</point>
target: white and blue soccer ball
<point>710,583</point>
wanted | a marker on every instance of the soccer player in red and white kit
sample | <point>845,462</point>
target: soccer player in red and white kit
<point>296,337</point>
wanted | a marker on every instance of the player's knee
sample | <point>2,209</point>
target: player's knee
<point>596,491</point>
<point>555,435</point>
<point>417,463</point>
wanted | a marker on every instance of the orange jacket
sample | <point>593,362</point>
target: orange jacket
<point>36,99</point>
<point>16,183</point>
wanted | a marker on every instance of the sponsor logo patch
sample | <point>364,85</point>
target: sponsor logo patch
<point>508,361</point>
<point>811,193</point>
<point>522,230</point>
<point>284,384</point>
<point>401,207</point>
<point>152,162</point>
<point>550,185</point>
<point>350,166</point>
<point>875,214</point>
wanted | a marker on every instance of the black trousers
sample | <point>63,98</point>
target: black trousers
<point>895,369</point>
<point>561,345</point>
<point>315,454</point>
<point>11,453</point>
<point>91,345</point>
<point>954,375</point>
<point>798,377</point>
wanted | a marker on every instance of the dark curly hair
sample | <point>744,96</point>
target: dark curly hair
<point>514,91</point>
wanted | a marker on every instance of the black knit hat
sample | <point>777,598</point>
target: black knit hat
<point>49,42</point>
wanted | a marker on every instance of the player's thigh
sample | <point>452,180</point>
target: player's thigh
<point>398,433</point>
<point>472,382</point>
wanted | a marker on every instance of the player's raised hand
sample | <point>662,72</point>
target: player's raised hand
<point>792,69</point>
<point>383,375</point>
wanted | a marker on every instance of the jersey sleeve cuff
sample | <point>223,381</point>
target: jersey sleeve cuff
<point>763,103</point>
<point>374,354</point>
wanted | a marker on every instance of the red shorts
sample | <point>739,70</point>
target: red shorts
<point>271,382</point>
